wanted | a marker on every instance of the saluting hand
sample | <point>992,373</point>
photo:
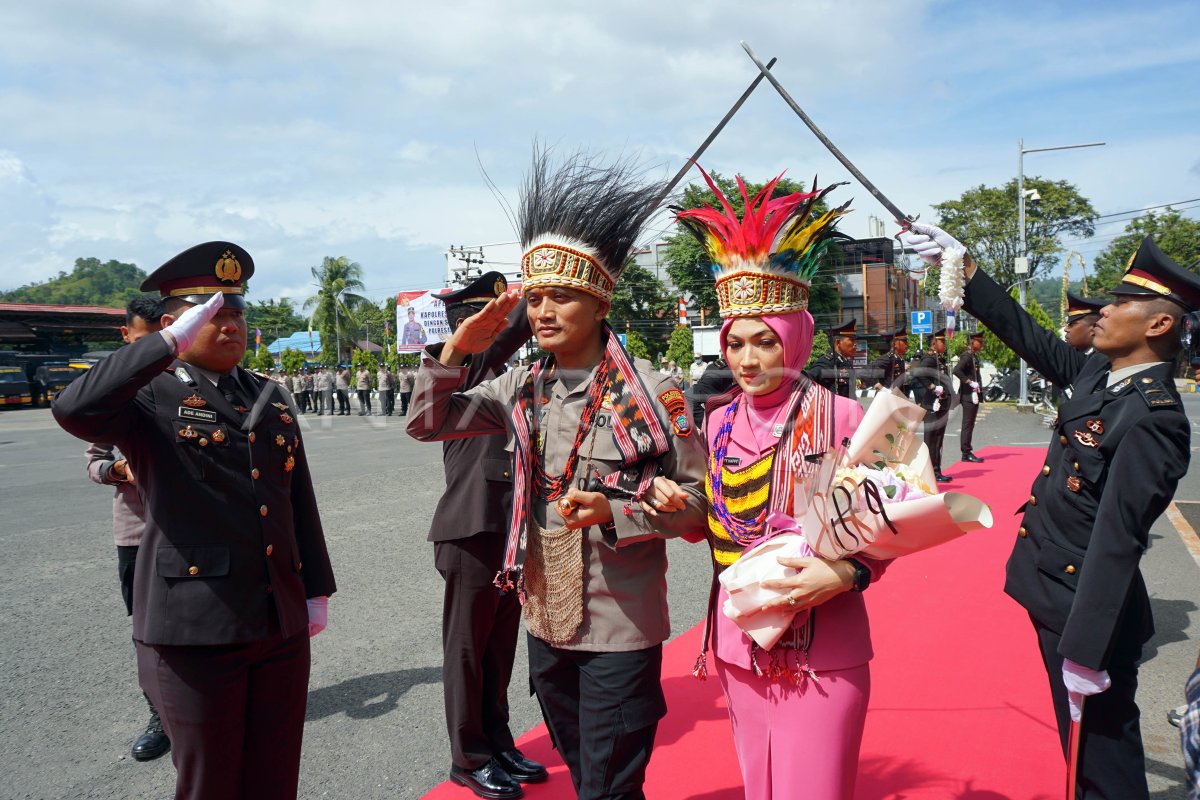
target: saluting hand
<point>477,332</point>
<point>184,329</point>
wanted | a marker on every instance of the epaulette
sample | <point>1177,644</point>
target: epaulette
<point>1155,393</point>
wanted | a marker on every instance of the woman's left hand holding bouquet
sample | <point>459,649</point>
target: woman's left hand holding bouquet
<point>817,581</point>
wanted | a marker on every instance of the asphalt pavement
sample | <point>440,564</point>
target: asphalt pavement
<point>70,705</point>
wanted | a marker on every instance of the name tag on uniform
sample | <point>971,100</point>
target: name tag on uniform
<point>732,461</point>
<point>201,414</point>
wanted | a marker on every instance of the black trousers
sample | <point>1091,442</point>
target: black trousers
<point>387,401</point>
<point>234,714</point>
<point>126,561</point>
<point>969,412</point>
<point>303,396</point>
<point>602,710</point>
<point>364,401</point>
<point>1112,762</point>
<point>479,642</point>
<point>933,429</point>
<point>404,398</point>
<point>343,401</point>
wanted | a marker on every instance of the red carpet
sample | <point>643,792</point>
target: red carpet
<point>959,710</point>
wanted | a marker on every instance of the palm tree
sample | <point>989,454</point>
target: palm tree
<point>338,281</point>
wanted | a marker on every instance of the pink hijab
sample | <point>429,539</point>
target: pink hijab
<point>751,426</point>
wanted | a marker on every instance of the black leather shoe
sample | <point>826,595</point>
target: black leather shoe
<point>489,781</point>
<point>940,478</point>
<point>522,769</point>
<point>974,459</point>
<point>153,743</point>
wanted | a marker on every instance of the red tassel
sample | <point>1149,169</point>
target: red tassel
<point>700,670</point>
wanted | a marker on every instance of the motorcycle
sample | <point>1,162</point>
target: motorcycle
<point>1006,385</point>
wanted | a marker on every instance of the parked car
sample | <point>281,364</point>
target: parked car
<point>14,388</point>
<point>50,379</point>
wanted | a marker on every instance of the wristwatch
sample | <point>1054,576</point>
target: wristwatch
<point>862,576</point>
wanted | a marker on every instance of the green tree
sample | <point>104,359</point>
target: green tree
<point>635,345</point>
<point>997,352</point>
<point>338,282</point>
<point>689,265</point>
<point>292,360</point>
<point>985,220</point>
<point>680,349</point>
<point>110,284</point>
<point>820,347</point>
<point>641,301</point>
<point>262,361</point>
<point>1175,235</point>
<point>275,318</point>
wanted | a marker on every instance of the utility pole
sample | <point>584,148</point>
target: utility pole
<point>461,264</point>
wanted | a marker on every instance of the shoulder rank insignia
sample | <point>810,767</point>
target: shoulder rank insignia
<point>1155,393</point>
<point>1086,439</point>
<point>195,401</point>
<point>673,400</point>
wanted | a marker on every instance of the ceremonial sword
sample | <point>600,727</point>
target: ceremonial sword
<point>902,219</point>
<point>765,71</point>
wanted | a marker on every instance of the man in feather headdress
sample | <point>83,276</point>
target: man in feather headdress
<point>605,468</point>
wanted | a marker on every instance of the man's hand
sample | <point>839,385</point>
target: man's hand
<point>318,615</point>
<point>183,330</point>
<point>817,581</point>
<point>580,509</point>
<point>928,241</point>
<point>664,496</point>
<point>477,332</point>
<point>120,472</point>
<point>1082,682</point>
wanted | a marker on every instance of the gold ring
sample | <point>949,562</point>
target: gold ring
<point>566,506</point>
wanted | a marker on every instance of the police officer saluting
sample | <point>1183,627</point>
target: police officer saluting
<point>479,624</point>
<point>938,392</point>
<point>970,391</point>
<point>234,575</point>
<point>1121,444</point>
<point>835,369</point>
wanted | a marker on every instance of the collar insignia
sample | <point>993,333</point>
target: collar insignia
<point>183,375</point>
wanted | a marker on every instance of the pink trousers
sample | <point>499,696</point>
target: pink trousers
<point>797,741</point>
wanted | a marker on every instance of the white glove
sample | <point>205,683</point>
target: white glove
<point>183,330</point>
<point>1082,682</point>
<point>318,615</point>
<point>928,241</point>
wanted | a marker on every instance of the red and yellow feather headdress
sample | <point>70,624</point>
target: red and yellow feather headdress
<point>765,261</point>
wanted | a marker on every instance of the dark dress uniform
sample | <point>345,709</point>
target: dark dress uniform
<point>717,379</point>
<point>967,370</point>
<point>891,369</point>
<point>233,547</point>
<point>479,624</point>
<point>931,372</point>
<point>1113,463</point>
<point>832,370</point>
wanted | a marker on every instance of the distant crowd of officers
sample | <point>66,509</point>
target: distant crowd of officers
<point>316,390</point>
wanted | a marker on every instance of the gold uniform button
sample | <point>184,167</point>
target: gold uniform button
<point>1032,500</point>
<point>1061,439</point>
<point>1070,570</point>
<point>270,549</point>
<point>1046,470</point>
<point>253,437</point>
<point>203,442</point>
<point>262,510</point>
<point>1076,465</point>
<point>254,473</point>
<point>1022,532</point>
<point>506,474</point>
<point>193,570</point>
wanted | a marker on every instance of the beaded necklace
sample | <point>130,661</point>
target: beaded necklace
<point>552,487</point>
<point>740,531</point>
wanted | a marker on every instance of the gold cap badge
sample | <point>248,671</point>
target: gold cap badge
<point>228,269</point>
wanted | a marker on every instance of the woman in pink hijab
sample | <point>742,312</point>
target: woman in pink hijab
<point>797,709</point>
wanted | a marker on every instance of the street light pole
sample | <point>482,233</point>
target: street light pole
<point>1022,261</point>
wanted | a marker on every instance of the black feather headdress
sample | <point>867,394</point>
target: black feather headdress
<point>578,220</point>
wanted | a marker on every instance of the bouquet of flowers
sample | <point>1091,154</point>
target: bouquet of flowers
<point>876,494</point>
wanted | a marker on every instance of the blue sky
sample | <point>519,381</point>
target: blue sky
<point>132,129</point>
